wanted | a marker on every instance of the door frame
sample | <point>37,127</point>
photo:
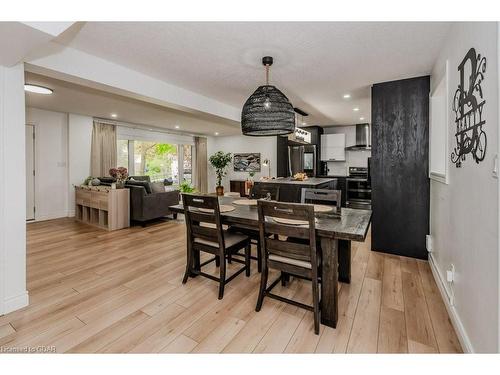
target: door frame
<point>35,174</point>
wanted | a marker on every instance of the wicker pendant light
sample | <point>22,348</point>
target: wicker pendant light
<point>267,111</point>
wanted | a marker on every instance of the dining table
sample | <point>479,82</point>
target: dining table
<point>335,233</point>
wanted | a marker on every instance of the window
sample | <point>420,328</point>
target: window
<point>157,160</point>
<point>438,134</point>
<point>155,154</point>
<point>187,163</point>
<point>122,151</point>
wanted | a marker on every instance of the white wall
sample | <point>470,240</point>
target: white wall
<point>51,162</point>
<point>62,159</point>
<point>79,145</point>
<point>352,158</point>
<point>267,147</point>
<point>464,214</point>
<point>13,293</point>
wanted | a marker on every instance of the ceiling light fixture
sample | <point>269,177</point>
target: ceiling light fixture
<point>114,115</point>
<point>346,96</point>
<point>355,109</point>
<point>267,111</point>
<point>361,118</point>
<point>37,89</point>
<point>216,133</point>
<point>177,126</point>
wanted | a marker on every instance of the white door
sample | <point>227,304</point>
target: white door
<point>30,172</point>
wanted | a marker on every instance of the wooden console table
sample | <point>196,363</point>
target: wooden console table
<point>105,208</point>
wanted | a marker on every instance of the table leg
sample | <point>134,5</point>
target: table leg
<point>345,261</point>
<point>329,281</point>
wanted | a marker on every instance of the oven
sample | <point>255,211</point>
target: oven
<point>358,188</point>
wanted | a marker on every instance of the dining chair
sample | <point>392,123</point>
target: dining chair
<point>258,192</point>
<point>297,259</point>
<point>322,196</point>
<point>206,234</point>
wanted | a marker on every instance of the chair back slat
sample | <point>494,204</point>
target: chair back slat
<point>261,191</point>
<point>288,249</point>
<point>270,230</point>
<point>200,224</point>
<point>322,196</point>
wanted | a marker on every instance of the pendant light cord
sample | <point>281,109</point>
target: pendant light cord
<point>267,75</point>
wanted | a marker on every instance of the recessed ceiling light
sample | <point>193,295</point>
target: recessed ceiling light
<point>216,133</point>
<point>346,96</point>
<point>177,126</point>
<point>355,109</point>
<point>38,89</point>
<point>114,115</point>
<point>304,123</point>
<point>361,118</point>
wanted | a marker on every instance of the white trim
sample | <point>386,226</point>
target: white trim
<point>16,302</point>
<point>452,312</point>
<point>440,177</point>
<point>51,216</point>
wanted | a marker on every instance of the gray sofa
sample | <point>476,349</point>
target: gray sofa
<point>145,204</point>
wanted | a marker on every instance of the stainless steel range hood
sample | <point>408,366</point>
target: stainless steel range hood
<point>363,138</point>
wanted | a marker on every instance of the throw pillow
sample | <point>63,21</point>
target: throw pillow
<point>157,187</point>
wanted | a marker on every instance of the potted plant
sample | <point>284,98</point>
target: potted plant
<point>220,160</point>
<point>186,187</point>
<point>120,174</point>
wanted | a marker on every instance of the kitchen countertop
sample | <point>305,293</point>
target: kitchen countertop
<point>310,181</point>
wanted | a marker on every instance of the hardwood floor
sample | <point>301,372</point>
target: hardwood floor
<point>97,291</point>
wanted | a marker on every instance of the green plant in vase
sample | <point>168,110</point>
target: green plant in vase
<point>186,187</point>
<point>220,160</point>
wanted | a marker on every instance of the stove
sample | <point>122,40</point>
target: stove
<point>359,191</point>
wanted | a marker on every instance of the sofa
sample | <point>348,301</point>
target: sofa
<point>145,203</point>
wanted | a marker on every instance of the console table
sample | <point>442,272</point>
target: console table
<point>103,207</point>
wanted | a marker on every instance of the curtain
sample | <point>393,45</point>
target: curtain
<point>103,151</point>
<point>201,164</point>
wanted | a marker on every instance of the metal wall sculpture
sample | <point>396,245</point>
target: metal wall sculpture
<point>468,105</point>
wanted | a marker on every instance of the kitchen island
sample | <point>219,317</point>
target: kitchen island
<point>290,189</point>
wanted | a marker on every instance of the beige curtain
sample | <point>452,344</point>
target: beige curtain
<point>103,151</point>
<point>201,163</point>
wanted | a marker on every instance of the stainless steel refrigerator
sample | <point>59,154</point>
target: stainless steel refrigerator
<point>302,159</point>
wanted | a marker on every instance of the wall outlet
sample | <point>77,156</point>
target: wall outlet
<point>428,243</point>
<point>450,274</point>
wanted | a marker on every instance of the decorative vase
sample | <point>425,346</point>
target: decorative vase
<point>219,190</point>
<point>120,184</point>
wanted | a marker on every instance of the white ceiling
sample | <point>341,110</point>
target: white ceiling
<point>315,63</point>
<point>73,98</point>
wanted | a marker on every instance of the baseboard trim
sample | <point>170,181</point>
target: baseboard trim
<point>452,311</point>
<point>16,302</point>
<point>50,216</point>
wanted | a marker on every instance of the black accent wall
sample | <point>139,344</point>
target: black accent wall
<point>399,166</point>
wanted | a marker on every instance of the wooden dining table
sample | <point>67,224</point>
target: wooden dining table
<point>335,234</point>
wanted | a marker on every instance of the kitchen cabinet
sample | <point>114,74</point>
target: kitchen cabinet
<point>333,147</point>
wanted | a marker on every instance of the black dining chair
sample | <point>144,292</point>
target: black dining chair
<point>302,260</point>
<point>324,197</point>
<point>206,234</point>
<point>258,192</point>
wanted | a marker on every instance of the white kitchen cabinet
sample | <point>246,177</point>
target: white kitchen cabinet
<point>333,147</point>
